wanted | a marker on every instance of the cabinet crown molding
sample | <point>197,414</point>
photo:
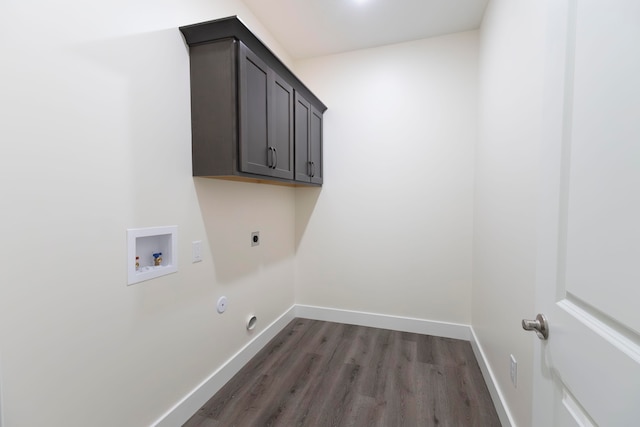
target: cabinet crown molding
<point>232,27</point>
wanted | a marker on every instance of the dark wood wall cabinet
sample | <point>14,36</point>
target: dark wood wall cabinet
<point>252,119</point>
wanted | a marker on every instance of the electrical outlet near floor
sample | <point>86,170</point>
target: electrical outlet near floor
<point>514,371</point>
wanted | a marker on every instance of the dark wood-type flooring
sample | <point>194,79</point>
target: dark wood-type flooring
<point>325,374</point>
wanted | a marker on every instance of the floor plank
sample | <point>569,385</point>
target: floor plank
<point>316,373</point>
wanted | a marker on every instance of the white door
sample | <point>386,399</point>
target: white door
<point>588,282</point>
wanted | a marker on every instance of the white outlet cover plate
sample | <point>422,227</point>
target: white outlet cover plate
<point>196,251</point>
<point>222,304</point>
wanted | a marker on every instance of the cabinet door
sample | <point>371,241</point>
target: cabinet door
<point>302,113</point>
<point>281,129</point>
<point>308,138</point>
<point>254,88</point>
<point>315,146</point>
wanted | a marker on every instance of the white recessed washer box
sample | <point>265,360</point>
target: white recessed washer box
<point>154,250</point>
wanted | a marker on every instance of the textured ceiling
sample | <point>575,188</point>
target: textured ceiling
<point>307,28</point>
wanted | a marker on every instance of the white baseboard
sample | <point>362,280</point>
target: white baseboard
<point>190,404</point>
<point>496,395</point>
<point>396,323</point>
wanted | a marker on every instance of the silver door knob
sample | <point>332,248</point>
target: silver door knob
<point>540,325</point>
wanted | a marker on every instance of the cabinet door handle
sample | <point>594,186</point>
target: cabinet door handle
<point>275,157</point>
<point>313,169</point>
<point>270,157</point>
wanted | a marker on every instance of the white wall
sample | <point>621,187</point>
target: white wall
<point>390,231</point>
<point>510,91</point>
<point>95,134</point>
